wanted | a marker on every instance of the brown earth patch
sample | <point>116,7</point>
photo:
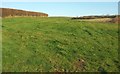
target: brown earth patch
<point>80,64</point>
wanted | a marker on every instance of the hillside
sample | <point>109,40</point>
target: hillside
<point>37,44</point>
<point>8,12</point>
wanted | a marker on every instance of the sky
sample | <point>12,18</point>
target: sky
<point>60,0</point>
<point>66,8</point>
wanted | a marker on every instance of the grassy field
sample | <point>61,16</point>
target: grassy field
<point>58,44</point>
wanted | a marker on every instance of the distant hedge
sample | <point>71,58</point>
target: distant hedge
<point>94,17</point>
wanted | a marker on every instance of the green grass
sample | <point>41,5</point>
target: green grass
<point>58,44</point>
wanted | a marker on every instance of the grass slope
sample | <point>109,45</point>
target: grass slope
<point>58,44</point>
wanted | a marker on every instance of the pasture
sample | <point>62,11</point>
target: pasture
<point>54,44</point>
